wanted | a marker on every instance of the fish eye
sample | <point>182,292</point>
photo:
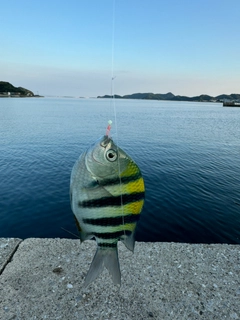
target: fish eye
<point>111,155</point>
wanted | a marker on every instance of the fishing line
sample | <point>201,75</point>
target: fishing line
<point>115,110</point>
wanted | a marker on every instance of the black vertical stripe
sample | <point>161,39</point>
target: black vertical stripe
<point>113,221</point>
<point>125,179</point>
<point>112,201</point>
<point>111,235</point>
<point>107,245</point>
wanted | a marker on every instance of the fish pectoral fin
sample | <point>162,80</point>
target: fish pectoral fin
<point>92,184</point>
<point>95,192</point>
<point>107,257</point>
<point>129,242</point>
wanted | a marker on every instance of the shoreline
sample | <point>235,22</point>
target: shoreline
<point>37,96</point>
<point>231,104</point>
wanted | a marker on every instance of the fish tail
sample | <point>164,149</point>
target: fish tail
<point>108,257</point>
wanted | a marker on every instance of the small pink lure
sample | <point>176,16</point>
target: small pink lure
<point>108,127</point>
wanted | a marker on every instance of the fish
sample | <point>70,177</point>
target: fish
<point>107,194</point>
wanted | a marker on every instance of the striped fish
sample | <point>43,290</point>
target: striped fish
<point>107,196</point>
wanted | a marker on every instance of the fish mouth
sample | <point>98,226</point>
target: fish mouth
<point>106,141</point>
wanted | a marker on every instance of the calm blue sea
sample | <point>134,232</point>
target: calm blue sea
<point>189,154</point>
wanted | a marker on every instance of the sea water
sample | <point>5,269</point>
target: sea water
<point>189,155</point>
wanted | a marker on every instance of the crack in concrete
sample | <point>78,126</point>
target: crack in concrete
<point>9,259</point>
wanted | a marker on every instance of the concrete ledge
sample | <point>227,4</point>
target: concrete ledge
<point>159,281</point>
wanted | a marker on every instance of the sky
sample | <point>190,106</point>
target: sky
<point>75,47</point>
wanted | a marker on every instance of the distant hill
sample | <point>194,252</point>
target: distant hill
<point>170,96</point>
<point>6,87</point>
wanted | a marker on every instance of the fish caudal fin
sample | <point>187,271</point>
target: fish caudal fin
<point>107,257</point>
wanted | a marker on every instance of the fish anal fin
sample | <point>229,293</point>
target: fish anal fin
<point>107,257</point>
<point>129,242</point>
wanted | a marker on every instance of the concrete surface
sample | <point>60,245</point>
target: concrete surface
<point>159,281</point>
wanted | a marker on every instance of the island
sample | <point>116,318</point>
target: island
<point>233,98</point>
<point>7,90</point>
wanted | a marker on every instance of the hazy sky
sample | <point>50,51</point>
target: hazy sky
<point>56,47</point>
